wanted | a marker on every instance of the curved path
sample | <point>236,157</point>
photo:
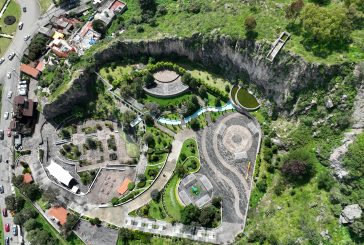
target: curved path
<point>228,166</point>
<point>222,176</point>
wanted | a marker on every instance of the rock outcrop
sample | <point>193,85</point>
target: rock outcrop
<point>78,91</point>
<point>236,59</point>
<point>350,213</point>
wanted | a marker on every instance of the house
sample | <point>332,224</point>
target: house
<point>27,178</point>
<point>61,48</point>
<point>60,174</point>
<point>124,186</point>
<point>30,71</point>
<point>64,25</point>
<point>85,38</point>
<point>40,66</point>
<point>59,214</point>
<point>107,14</point>
<point>24,115</point>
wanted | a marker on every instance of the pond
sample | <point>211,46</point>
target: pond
<point>242,97</point>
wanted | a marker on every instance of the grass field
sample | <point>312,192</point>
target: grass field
<point>132,149</point>
<point>12,9</point>
<point>44,5</point>
<point>170,101</point>
<point>227,17</point>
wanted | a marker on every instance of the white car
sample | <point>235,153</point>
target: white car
<point>23,82</point>
<point>10,93</point>
<point>26,38</point>
<point>11,55</point>
<point>6,115</point>
<point>2,60</point>
<point>20,25</point>
<point>8,75</point>
<point>22,92</point>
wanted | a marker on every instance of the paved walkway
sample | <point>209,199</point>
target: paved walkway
<point>164,129</point>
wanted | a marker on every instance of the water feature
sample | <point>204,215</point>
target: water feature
<point>228,106</point>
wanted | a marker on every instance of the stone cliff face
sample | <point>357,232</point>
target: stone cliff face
<point>79,91</point>
<point>236,59</point>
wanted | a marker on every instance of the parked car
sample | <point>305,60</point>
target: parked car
<point>1,134</point>
<point>7,227</point>
<point>1,189</point>
<point>8,132</point>
<point>26,38</point>
<point>24,9</point>
<point>15,230</point>
<point>21,24</point>
<point>7,241</point>
<point>23,82</point>
<point>22,92</point>
<point>5,212</point>
<point>6,115</point>
<point>11,55</point>
<point>2,60</point>
<point>1,158</point>
<point>10,94</point>
<point>22,86</point>
<point>8,75</point>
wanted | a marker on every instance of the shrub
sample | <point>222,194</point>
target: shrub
<point>131,186</point>
<point>155,195</point>
<point>325,181</point>
<point>152,173</point>
<point>141,184</point>
<point>297,170</point>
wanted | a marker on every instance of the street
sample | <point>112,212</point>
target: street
<point>18,45</point>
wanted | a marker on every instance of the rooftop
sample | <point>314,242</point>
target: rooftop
<point>59,213</point>
<point>23,105</point>
<point>124,186</point>
<point>59,173</point>
<point>27,178</point>
<point>27,69</point>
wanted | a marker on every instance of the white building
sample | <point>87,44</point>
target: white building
<point>62,175</point>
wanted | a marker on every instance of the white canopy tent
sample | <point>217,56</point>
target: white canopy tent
<point>60,173</point>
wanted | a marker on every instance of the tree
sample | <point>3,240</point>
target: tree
<point>149,139</point>
<point>153,109</point>
<point>91,143</point>
<point>293,10</point>
<point>32,191</point>
<point>189,214</point>
<point>142,177</point>
<point>14,203</point>
<point>148,80</point>
<point>202,91</point>
<point>99,26</point>
<point>195,125</point>
<point>17,180</point>
<point>155,195</point>
<point>325,28</point>
<point>71,221</point>
<point>50,194</point>
<point>73,58</point>
<point>31,224</point>
<point>216,201</point>
<point>250,23</point>
<point>149,121</point>
<point>357,228</point>
<point>180,170</point>
<point>95,221</point>
<point>207,216</point>
<point>125,235</point>
<point>148,7</point>
<point>325,181</point>
<point>131,186</point>
<point>40,237</point>
<point>297,170</point>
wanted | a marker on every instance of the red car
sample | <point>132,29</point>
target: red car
<point>5,212</point>
<point>7,227</point>
<point>8,132</point>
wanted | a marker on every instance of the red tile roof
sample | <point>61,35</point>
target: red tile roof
<point>117,4</point>
<point>59,213</point>
<point>29,70</point>
<point>27,178</point>
<point>85,29</point>
<point>124,186</point>
<point>40,66</point>
<point>25,105</point>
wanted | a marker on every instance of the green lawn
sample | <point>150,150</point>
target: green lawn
<point>173,207</point>
<point>44,5</point>
<point>12,9</point>
<point>170,101</point>
<point>132,149</point>
<point>118,72</point>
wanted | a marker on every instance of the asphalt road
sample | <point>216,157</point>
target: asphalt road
<point>30,19</point>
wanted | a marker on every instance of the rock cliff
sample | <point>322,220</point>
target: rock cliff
<point>234,58</point>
